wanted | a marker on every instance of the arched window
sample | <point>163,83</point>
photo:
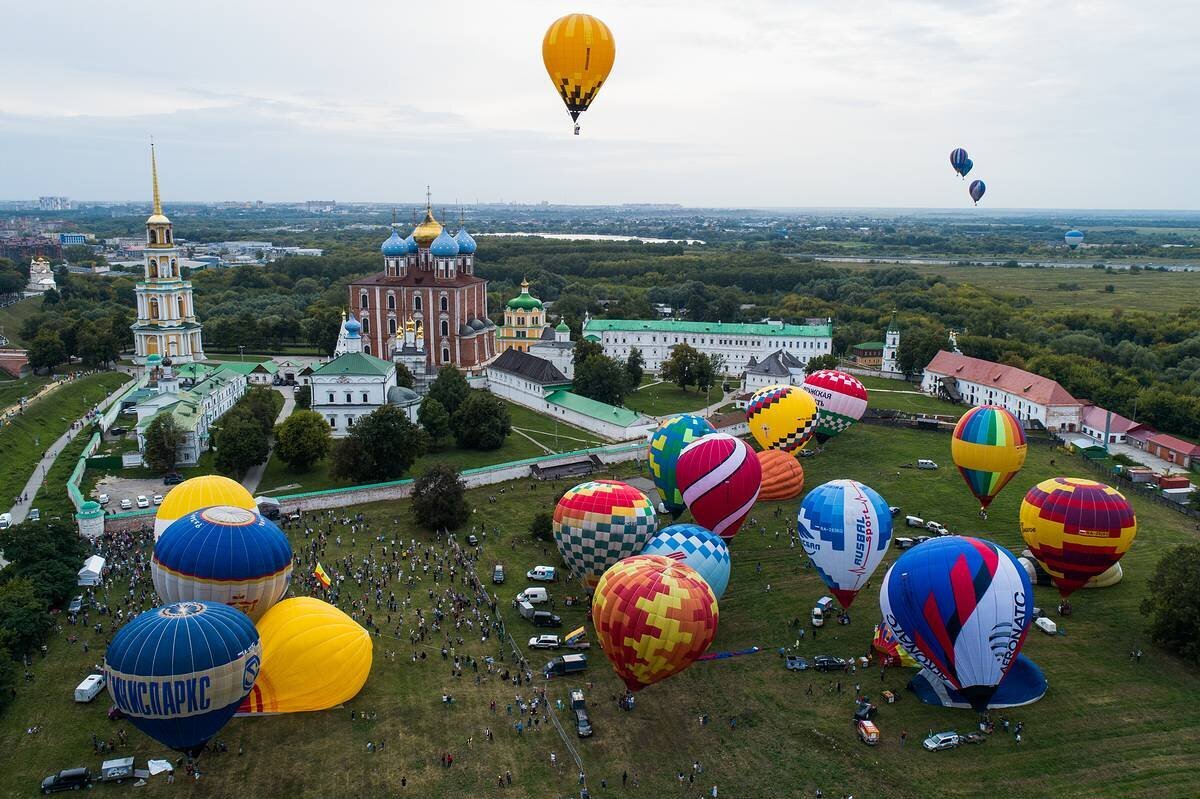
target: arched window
<point>445,354</point>
<point>445,328</point>
<point>153,308</point>
<point>182,314</point>
<point>154,237</point>
<point>363,302</point>
<point>416,302</point>
<point>391,326</point>
<point>366,324</point>
<point>445,303</point>
<point>174,268</point>
<point>391,301</point>
<point>367,350</point>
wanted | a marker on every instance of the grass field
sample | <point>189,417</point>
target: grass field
<point>13,316</point>
<point>1106,728</point>
<point>901,395</point>
<point>1150,291</point>
<point>11,391</point>
<point>665,399</point>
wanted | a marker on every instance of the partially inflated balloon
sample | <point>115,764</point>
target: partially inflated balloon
<point>314,657</point>
<point>961,607</point>
<point>781,417</point>
<point>719,476</point>
<point>845,528</point>
<point>223,554</point>
<point>654,617</point>
<point>599,522</point>
<point>977,189</point>
<point>841,401</point>
<point>665,445</point>
<point>694,546</point>
<point>179,672</point>
<point>578,51</point>
<point>1076,528</point>
<point>782,475</point>
<point>200,492</point>
<point>988,447</point>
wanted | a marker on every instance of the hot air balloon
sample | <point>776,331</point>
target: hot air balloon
<point>654,616</point>
<point>223,554</point>
<point>1076,528</point>
<point>1039,576</point>
<point>694,546</point>
<point>961,607</point>
<point>782,417</point>
<point>977,188</point>
<point>578,51</point>
<point>841,401</point>
<point>314,657</point>
<point>958,159</point>
<point>665,445</point>
<point>719,477</point>
<point>782,475</point>
<point>988,447</point>
<point>845,528</point>
<point>966,167</point>
<point>599,522</point>
<point>200,492</point>
<point>1073,239</point>
<point>886,647</point>
<point>179,672</point>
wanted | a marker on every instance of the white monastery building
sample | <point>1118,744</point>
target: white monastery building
<point>1027,396</point>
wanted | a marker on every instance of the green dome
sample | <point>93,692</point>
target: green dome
<point>562,327</point>
<point>524,301</point>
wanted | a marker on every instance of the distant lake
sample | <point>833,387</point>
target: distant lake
<point>595,237</point>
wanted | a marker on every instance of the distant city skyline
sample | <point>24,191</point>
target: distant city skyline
<point>772,105</point>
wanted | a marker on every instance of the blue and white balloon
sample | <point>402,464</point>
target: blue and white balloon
<point>845,528</point>
<point>694,546</point>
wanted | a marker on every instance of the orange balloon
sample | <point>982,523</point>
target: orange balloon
<point>782,475</point>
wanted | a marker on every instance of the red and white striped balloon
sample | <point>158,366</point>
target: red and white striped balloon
<point>719,476</point>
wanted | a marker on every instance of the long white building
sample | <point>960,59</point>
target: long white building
<point>1027,396</point>
<point>737,342</point>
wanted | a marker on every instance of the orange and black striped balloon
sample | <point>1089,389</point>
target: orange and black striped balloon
<point>578,51</point>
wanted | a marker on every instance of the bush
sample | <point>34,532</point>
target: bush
<point>542,526</point>
<point>1173,602</point>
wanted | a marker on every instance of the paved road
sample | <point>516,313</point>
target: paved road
<point>254,476</point>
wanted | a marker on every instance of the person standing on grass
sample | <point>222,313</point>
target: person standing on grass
<point>903,737</point>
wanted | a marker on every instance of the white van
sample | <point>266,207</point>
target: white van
<point>5,521</point>
<point>534,595</point>
<point>543,573</point>
<point>914,521</point>
<point>934,527</point>
<point>925,463</point>
<point>1047,626</point>
<point>823,607</point>
<point>87,690</point>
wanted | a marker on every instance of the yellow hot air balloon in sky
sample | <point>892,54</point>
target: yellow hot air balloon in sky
<point>314,657</point>
<point>200,492</point>
<point>578,51</point>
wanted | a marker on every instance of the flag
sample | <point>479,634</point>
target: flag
<point>321,575</point>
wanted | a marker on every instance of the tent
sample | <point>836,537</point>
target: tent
<point>1024,685</point>
<point>93,567</point>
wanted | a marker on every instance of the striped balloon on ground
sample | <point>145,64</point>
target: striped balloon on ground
<point>223,554</point>
<point>782,417</point>
<point>654,616</point>
<point>692,545</point>
<point>841,401</point>
<point>1076,528</point>
<point>665,445</point>
<point>599,522</point>
<point>719,476</point>
<point>988,447</point>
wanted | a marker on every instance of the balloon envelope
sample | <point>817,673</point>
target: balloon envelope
<point>1076,528</point>
<point>958,157</point>
<point>841,401</point>
<point>578,51</point>
<point>782,417</point>
<point>314,657</point>
<point>1073,239</point>
<point>782,475</point>
<point>845,528</point>
<point>223,554</point>
<point>988,447</point>
<point>962,608</point>
<point>967,166</point>
<point>599,522</point>
<point>665,445</point>
<point>692,545</point>
<point>977,189</point>
<point>719,476</point>
<point>179,672</point>
<point>654,616</point>
<point>200,492</point>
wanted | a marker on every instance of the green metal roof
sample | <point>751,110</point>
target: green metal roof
<point>195,370</point>
<point>715,328</point>
<point>247,367</point>
<point>869,345</point>
<point>562,328</point>
<point>590,407</point>
<point>356,363</point>
<point>524,302</point>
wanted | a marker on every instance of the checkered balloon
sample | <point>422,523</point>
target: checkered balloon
<point>841,401</point>
<point>599,522</point>
<point>782,417</point>
<point>692,545</point>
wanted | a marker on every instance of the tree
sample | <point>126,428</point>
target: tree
<point>434,417</point>
<point>439,500</point>
<point>709,370</point>
<point>24,615</point>
<point>263,404</point>
<point>918,345</point>
<point>163,437</point>
<point>683,367</point>
<point>1173,602</point>
<point>404,377</point>
<point>820,362</point>
<point>383,445</point>
<point>98,346</point>
<point>584,349</point>
<point>8,675</point>
<point>304,397</point>
<point>241,442</point>
<point>47,350</point>
<point>47,554</point>
<point>601,378</point>
<point>482,422</point>
<point>303,439</point>
<point>634,368</point>
<point>449,388</point>
<point>542,526</point>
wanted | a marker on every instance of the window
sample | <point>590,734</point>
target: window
<point>367,347</point>
<point>362,301</point>
<point>445,354</point>
<point>445,328</point>
<point>365,399</point>
<point>366,324</point>
<point>416,302</point>
<point>391,325</point>
<point>333,422</point>
<point>445,303</point>
<point>331,399</point>
<point>391,302</point>
<point>349,397</point>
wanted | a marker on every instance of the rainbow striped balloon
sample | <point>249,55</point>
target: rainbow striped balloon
<point>719,476</point>
<point>988,447</point>
<point>1076,528</point>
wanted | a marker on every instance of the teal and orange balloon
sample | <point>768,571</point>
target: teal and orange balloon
<point>988,447</point>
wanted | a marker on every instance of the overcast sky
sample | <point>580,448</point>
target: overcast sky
<point>711,102</point>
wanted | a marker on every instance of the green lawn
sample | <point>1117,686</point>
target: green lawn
<point>27,436</point>
<point>901,395</point>
<point>13,316</point>
<point>1106,728</point>
<point>11,391</point>
<point>665,399</point>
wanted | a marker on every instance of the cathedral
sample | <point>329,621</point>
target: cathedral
<point>166,318</point>
<point>428,282</point>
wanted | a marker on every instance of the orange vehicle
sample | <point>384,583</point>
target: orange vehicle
<point>868,732</point>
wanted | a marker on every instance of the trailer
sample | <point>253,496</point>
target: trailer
<point>116,770</point>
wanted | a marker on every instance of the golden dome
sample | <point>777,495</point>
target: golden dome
<point>158,219</point>
<point>427,231</point>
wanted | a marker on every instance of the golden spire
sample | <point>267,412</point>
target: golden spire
<point>154,174</point>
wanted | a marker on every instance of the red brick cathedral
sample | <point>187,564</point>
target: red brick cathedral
<point>428,278</point>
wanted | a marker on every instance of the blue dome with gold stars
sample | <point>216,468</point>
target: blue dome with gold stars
<point>444,246</point>
<point>466,244</point>
<point>394,245</point>
<point>412,245</point>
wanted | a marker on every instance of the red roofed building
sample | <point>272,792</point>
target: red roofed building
<point>1174,450</point>
<point>1027,396</point>
<point>1096,421</point>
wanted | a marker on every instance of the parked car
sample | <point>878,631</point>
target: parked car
<point>544,642</point>
<point>921,539</point>
<point>542,573</point>
<point>942,740</point>
<point>828,663</point>
<point>173,479</point>
<point>795,663</point>
<point>91,686</point>
<point>157,499</point>
<point>934,527</point>
<point>104,499</point>
<point>583,725</point>
<point>142,501</point>
<point>904,543</point>
<point>5,521</point>
<point>126,504</point>
<point>76,605</point>
<point>534,595</point>
<point>565,664</point>
<point>895,510</point>
<point>925,463</point>
<point>1048,626</point>
<point>542,618</point>
<point>498,573</point>
<point>821,610</point>
<point>69,779</point>
<point>117,431</point>
<point>472,540</point>
<point>868,733</point>
<point>914,521</point>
